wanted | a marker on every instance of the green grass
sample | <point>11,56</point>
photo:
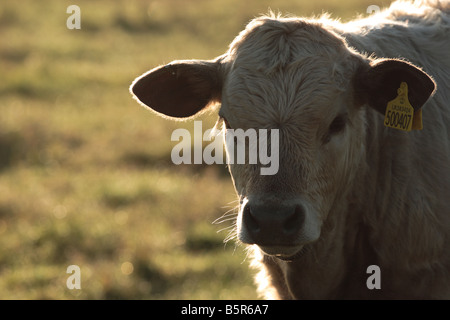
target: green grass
<point>85,173</point>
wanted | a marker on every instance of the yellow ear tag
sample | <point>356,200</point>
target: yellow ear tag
<point>400,113</point>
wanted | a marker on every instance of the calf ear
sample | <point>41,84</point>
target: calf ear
<point>378,84</point>
<point>180,89</point>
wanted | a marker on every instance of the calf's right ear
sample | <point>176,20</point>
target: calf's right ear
<point>180,89</point>
<point>377,83</point>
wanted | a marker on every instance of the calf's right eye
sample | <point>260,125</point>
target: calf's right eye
<point>225,121</point>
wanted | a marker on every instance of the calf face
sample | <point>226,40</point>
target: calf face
<point>297,77</point>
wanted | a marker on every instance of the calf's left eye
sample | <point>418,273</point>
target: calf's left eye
<point>337,126</point>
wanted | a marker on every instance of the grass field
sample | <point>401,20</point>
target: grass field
<point>85,173</point>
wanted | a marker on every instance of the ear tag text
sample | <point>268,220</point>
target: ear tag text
<point>400,114</point>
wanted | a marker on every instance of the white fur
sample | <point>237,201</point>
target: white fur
<point>381,195</point>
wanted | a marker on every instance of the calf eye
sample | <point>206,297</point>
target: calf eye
<point>225,121</point>
<point>336,126</point>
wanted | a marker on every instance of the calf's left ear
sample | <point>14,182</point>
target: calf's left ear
<point>180,89</point>
<point>377,84</point>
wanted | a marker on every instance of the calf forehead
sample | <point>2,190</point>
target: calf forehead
<point>287,95</point>
<point>280,69</point>
<point>269,44</point>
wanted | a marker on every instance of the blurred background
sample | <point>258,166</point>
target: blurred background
<point>86,176</point>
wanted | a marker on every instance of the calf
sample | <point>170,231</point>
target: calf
<point>353,190</point>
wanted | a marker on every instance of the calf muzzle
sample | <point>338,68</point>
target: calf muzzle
<point>265,225</point>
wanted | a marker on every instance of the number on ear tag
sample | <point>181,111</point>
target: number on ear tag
<point>400,114</point>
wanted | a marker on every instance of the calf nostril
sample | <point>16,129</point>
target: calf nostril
<point>250,221</point>
<point>293,222</point>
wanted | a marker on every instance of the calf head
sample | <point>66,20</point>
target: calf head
<point>302,79</point>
